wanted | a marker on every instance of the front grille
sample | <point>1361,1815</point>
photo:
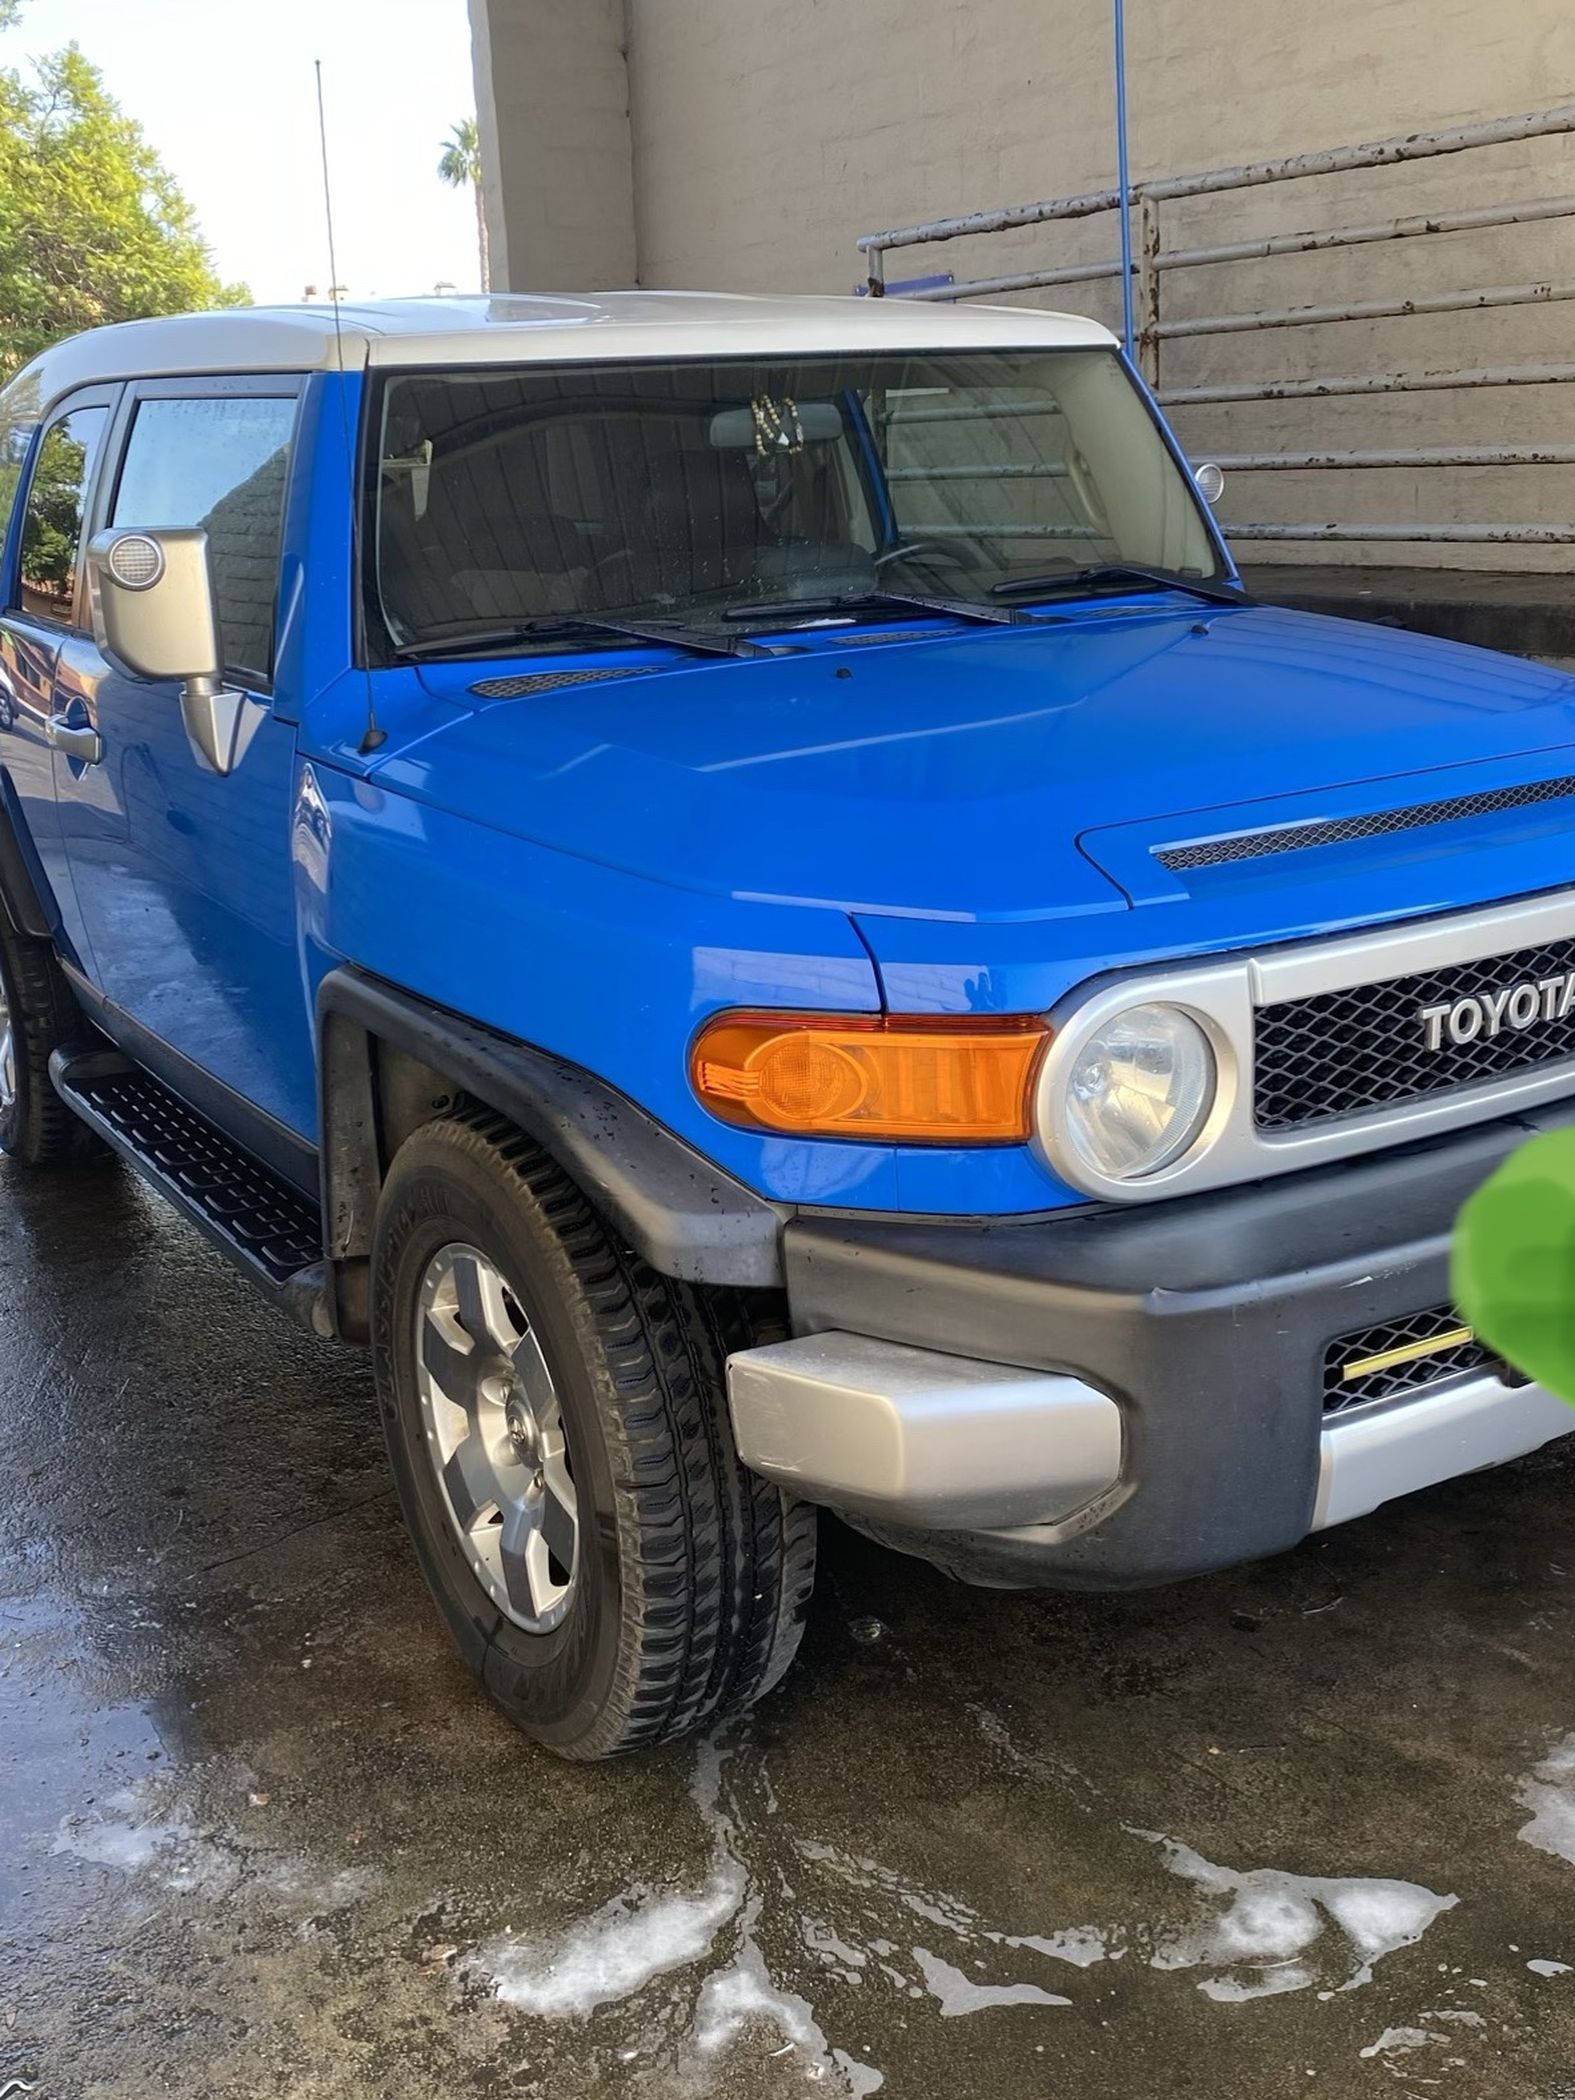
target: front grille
<point>1337,831</point>
<point>1345,1387</point>
<point>1352,1052</point>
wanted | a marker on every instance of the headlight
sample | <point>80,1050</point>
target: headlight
<point>1139,1091</point>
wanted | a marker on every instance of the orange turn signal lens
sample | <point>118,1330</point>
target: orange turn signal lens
<point>916,1079</point>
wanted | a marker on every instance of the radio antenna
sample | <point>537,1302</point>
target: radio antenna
<point>373,735</point>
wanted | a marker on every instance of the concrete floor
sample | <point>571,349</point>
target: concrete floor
<point>1306,1827</point>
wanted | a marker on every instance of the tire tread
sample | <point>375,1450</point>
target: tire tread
<point>717,1564</point>
<point>42,1130</point>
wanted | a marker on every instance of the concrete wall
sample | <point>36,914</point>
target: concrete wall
<point>761,140</point>
<point>552,104</point>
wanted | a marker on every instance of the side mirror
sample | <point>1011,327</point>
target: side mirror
<point>154,617</point>
<point>1210,480</point>
<point>153,610</point>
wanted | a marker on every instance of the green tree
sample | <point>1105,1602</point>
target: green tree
<point>93,228</point>
<point>460,167</point>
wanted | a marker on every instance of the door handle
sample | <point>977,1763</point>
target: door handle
<point>75,739</point>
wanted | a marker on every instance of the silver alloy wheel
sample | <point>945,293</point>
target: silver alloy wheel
<point>494,1433</point>
<point>8,1079</point>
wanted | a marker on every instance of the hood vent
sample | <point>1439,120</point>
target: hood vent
<point>1338,831</point>
<point>862,638</point>
<point>529,682</point>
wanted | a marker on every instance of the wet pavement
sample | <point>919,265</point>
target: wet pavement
<point>1306,1827</point>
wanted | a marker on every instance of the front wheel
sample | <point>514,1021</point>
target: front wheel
<point>37,1015</point>
<point>558,1426</point>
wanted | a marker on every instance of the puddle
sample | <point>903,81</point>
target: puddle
<point>641,1936</point>
<point>691,1968</point>
<point>628,1944</point>
<point>1549,1792</point>
<point>1400,2041</point>
<point>1290,1932</point>
<point>958,1995</point>
<point>143,1839</point>
<point>1266,1931</point>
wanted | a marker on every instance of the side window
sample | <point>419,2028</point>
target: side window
<point>219,462</point>
<point>17,425</point>
<point>52,522</point>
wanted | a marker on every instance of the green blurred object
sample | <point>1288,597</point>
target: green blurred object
<point>1513,1269</point>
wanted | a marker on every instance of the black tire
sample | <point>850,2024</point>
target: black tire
<point>693,1575</point>
<point>36,1127</point>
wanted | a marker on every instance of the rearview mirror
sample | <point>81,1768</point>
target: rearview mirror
<point>154,617</point>
<point>773,423</point>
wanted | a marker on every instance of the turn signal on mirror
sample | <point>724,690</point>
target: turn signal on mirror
<point>911,1079</point>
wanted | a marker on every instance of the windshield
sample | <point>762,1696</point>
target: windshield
<point>693,494</point>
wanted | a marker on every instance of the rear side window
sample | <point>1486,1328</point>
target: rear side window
<point>219,463</point>
<point>52,523</point>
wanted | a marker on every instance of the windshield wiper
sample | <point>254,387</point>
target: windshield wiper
<point>1119,572</point>
<point>877,601</point>
<point>554,626</point>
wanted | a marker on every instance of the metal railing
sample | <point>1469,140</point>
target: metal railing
<point>1153,263</point>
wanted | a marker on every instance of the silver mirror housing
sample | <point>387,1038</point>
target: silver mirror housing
<point>1210,480</point>
<point>154,616</point>
<point>153,605</point>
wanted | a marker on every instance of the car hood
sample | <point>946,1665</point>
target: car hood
<point>1002,774</point>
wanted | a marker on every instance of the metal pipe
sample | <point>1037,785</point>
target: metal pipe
<point>1524,214</point>
<point>1419,145</point>
<point>1400,456</point>
<point>1005,470</point>
<point>1003,532</point>
<point>974,412</point>
<point>1124,180</point>
<point>1149,290</point>
<point>1369,310</point>
<point>1369,383</point>
<point>1378,153</point>
<point>1022,281</point>
<point>1481,535</point>
<point>1046,211</point>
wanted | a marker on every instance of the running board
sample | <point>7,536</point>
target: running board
<point>271,1232</point>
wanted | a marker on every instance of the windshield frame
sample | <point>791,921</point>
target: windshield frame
<point>375,647</point>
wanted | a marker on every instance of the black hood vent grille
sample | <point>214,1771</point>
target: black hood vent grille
<point>1338,831</point>
<point>528,682</point>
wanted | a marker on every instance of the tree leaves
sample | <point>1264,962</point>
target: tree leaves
<point>460,167</point>
<point>460,163</point>
<point>93,228</point>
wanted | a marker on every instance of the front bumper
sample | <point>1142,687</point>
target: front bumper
<point>1118,1397</point>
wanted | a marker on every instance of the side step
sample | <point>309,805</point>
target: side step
<point>270,1231</point>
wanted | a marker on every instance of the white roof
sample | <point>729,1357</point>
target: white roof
<point>519,328</point>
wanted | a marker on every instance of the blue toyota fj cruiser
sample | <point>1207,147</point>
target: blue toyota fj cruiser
<point>736,888</point>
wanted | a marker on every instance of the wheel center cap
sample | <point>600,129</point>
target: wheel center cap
<point>521,1426</point>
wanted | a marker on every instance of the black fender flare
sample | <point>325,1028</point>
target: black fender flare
<point>677,1209</point>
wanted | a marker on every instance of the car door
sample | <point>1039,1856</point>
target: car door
<point>44,606</point>
<point>182,875</point>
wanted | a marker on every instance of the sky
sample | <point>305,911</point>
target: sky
<point>226,95</point>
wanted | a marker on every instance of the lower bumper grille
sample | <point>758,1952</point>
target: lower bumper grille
<point>1398,1357</point>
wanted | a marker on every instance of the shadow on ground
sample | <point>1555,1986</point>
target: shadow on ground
<point>1310,1826</point>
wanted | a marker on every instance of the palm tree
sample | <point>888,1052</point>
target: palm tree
<point>461,165</point>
